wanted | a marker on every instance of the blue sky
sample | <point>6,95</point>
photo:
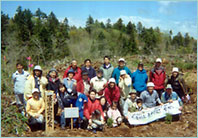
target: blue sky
<point>174,15</point>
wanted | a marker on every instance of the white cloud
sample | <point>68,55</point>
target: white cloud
<point>164,7</point>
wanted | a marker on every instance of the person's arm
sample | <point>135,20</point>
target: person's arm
<point>163,98</point>
<point>128,81</point>
<point>86,111</point>
<point>60,103</point>
<point>28,109</point>
<point>117,95</point>
<point>151,76</point>
<point>107,96</point>
<point>114,74</point>
<point>125,108</point>
<point>146,80</point>
<point>158,99</point>
<point>28,89</point>
<point>42,107</point>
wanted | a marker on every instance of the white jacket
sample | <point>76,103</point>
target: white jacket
<point>125,85</point>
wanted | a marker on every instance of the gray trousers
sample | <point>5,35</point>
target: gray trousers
<point>20,99</point>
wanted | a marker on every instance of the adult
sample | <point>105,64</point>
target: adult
<point>99,84</point>
<point>177,82</point>
<point>76,70</point>
<point>70,82</point>
<point>87,67</point>
<point>35,81</point>
<point>169,96</point>
<point>53,84</point>
<point>121,66</point>
<point>130,104</point>
<point>35,107</point>
<point>139,79</point>
<point>83,85</point>
<point>107,68</point>
<point>112,92</point>
<point>19,78</point>
<point>158,76</point>
<point>150,97</point>
<point>66,98</point>
<point>92,105</point>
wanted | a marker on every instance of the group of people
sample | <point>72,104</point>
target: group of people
<point>108,93</point>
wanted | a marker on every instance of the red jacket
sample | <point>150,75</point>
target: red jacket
<point>80,86</point>
<point>91,106</point>
<point>112,94</point>
<point>77,75</point>
<point>158,76</point>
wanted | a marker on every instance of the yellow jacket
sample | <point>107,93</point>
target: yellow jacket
<point>30,84</point>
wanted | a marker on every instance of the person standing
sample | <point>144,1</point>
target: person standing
<point>76,70</point>
<point>107,68</point>
<point>121,66</point>
<point>19,78</point>
<point>158,76</point>
<point>37,80</point>
<point>139,79</point>
<point>177,82</point>
<point>91,71</point>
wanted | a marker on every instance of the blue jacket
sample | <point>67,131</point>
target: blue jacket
<point>91,71</point>
<point>81,100</point>
<point>65,81</point>
<point>139,79</point>
<point>19,81</point>
<point>165,97</point>
<point>116,73</point>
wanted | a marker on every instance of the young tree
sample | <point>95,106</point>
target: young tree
<point>89,23</point>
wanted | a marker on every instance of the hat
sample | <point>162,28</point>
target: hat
<point>100,71</point>
<point>159,60</point>
<point>84,73</point>
<point>71,71</point>
<point>150,84</point>
<point>169,86</point>
<point>112,80</point>
<point>175,69</point>
<point>133,91</point>
<point>37,67</point>
<point>53,69</point>
<point>122,72</point>
<point>140,64</point>
<point>121,59</point>
<point>35,90</point>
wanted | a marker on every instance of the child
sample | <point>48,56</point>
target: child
<point>139,104</point>
<point>114,114</point>
<point>97,121</point>
<point>35,107</point>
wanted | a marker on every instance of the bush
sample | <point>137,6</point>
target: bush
<point>168,118</point>
<point>110,122</point>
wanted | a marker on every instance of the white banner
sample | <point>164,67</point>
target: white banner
<point>151,114</point>
<point>71,112</point>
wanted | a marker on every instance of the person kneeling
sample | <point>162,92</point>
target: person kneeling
<point>34,108</point>
<point>114,114</point>
<point>96,122</point>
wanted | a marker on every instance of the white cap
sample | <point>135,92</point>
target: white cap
<point>112,80</point>
<point>35,90</point>
<point>121,59</point>
<point>37,67</point>
<point>169,86</point>
<point>175,69</point>
<point>122,72</point>
<point>150,84</point>
<point>159,60</point>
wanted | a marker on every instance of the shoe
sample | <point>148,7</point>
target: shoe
<point>94,131</point>
<point>63,127</point>
<point>55,122</point>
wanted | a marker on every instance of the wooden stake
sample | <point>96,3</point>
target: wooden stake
<point>71,119</point>
<point>29,68</point>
